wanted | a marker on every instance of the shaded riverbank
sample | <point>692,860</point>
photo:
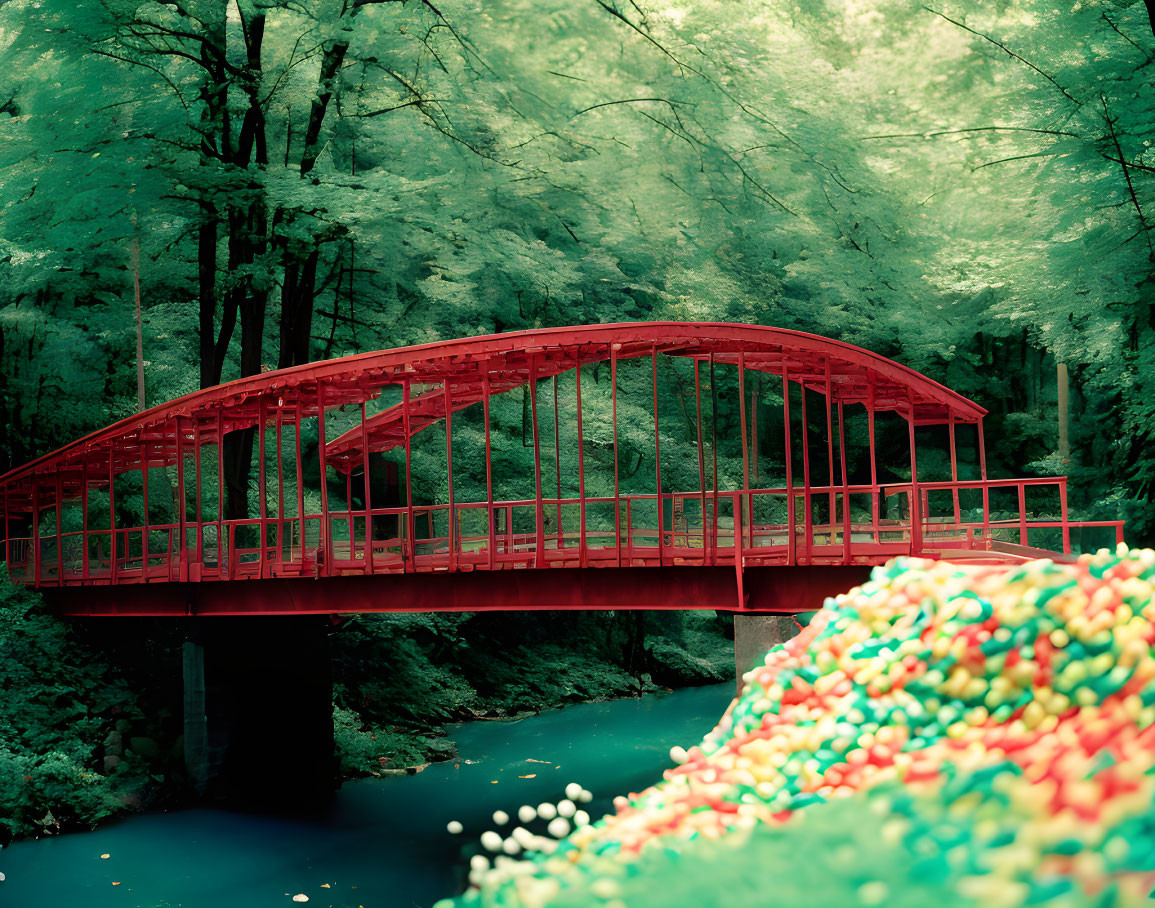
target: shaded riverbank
<point>383,842</point>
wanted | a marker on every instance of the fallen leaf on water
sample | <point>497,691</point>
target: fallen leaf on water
<point>116,884</point>
<point>493,782</point>
<point>326,886</point>
<point>532,760</point>
<point>105,857</point>
<point>300,897</point>
<point>532,775</point>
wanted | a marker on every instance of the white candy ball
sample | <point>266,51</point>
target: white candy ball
<point>500,817</point>
<point>573,791</point>
<point>581,818</point>
<point>479,862</point>
<point>586,796</point>
<point>558,827</point>
<point>566,808</point>
<point>526,813</point>
<point>678,754</point>
<point>454,827</point>
<point>490,841</point>
<point>511,846</point>
<point>546,811</point>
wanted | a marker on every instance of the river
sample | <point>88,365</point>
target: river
<point>384,842</point>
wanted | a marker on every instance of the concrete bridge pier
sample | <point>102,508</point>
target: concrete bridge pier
<point>754,635</point>
<point>258,711</point>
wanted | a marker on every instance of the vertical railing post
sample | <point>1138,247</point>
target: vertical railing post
<point>1024,538</point>
<point>368,492</point>
<point>791,555</point>
<point>326,537</point>
<point>449,464</point>
<point>915,495</point>
<point>830,447</point>
<point>7,534</point>
<point>846,557</point>
<point>582,538</point>
<point>954,471</point>
<point>657,456</point>
<point>349,511</point>
<point>539,555</point>
<point>410,521</point>
<point>59,528</point>
<point>629,534</point>
<point>755,383</point>
<point>739,530</point>
<point>83,515</point>
<point>36,530</point>
<point>745,453</point>
<point>714,456</point>
<point>280,484</point>
<point>875,492</point>
<point>557,463</point>
<point>300,467</point>
<point>808,516</point>
<point>221,548</point>
<point>701,459</point>
<point>983,477</point>
<point>147,541</point>
<point>200,533</point>
<point>262,487</point>
<point>489,513</point>
<point>181,549</point>
<point>112,510</point>
<point>614,420</point>
<point>1063,515</point>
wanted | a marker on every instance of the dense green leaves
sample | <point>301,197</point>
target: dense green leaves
<point>73,743</point>
<point>964,188</point>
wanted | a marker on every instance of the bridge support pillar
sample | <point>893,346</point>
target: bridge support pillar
<point>259,711</point>
<point>754,635</point>
<point>196,742</point>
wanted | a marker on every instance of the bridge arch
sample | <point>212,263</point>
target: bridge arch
<point>64,525</point>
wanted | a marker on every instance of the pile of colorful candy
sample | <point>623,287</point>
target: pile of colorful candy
<point>963,734</point>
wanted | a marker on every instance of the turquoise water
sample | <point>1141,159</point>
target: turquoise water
<point>384,842</point>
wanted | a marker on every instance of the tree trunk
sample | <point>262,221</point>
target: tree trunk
<point>207,297</point>
<point>298,293</point>
<point>1064,414</point>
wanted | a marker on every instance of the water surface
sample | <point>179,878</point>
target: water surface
<point>384,842</point>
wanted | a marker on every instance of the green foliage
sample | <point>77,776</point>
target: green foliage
<point>980,216</point>
<point>401,676</point>
<point>65,720</point>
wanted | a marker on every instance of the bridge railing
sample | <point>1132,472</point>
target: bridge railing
<point>839,524</point>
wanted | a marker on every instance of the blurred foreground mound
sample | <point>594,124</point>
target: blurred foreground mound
<point>942,734</point>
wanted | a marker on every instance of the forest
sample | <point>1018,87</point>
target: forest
<point>193,191</point>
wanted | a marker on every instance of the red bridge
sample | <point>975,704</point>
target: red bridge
<point>318,487</point>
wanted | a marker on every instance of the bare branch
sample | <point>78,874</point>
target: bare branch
<point>1007,51</point>
<point>1146,53</point>
<point>623,101</point>
<point>1127,176</point>
<point>1018,157</point>
<point>565,76</point>
<point>955,132</point>
<point>176,91</point>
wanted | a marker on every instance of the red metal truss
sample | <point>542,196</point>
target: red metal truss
<point>713,526</point>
